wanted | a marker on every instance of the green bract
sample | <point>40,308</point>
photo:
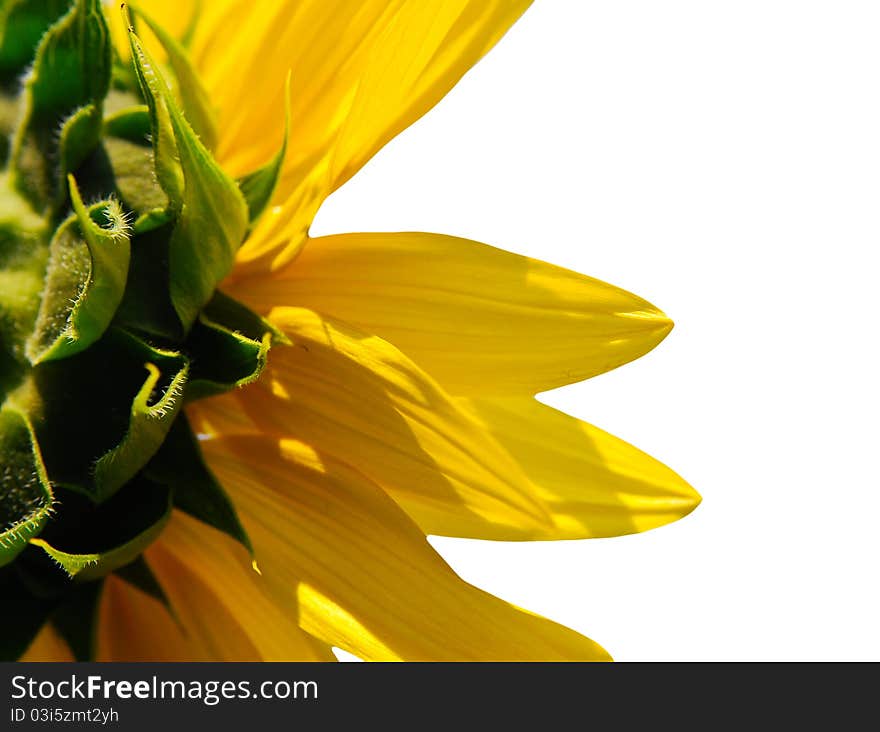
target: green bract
<point>116,226</point>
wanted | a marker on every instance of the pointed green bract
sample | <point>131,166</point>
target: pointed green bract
<point>133,174</point>
<point>26,498</point>
<point>22,24</point>
<point>153,87</point>
<point>193,98</point>
<point>71,70</point>
<point>118,532</point>
<point>116,226</point>
<point>127,392</point>
<point>80,135</point>
<point>152,414</point>
<point>88,268</point>
<point>131,123</point>
<point>180,466</point>
<point>213,215</point>
<point>76,620</point>
<point>138,574</point>
<point>224,359</point>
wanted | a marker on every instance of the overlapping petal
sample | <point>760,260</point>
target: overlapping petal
<point>47,647</point>
<point>591,483</point>
<point>361,73</point>
<point>362,573</point>
<point>224,567</point>
<point>359,399</point>
<point>480,320</point>
<point>134,626</point>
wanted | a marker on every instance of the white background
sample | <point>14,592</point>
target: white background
<point>721,159</point>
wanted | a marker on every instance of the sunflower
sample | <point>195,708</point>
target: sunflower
<point>223,439</point>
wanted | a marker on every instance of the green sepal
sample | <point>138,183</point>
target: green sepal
<point>24,614</point>
<point>139,575</point>
<point>149,422</point>
<point>112,535</point>
<point>146,306</point>
<point>124,391</point>
<point>194,98</point>
<point>26,498</point>
<point>133,175</point>
<point>76,620</point>
<point>9,114</point>
<point>228,347</point>
<point>72,70</point>
<point>167,167</point>
<point>213,215</point>
<point>131,123</point>
<point>85,280</point>
<point>23,256</point>
<point>80,134</point>
<point>22,24</point>
<point>195,490</point>
<point>223,359</point>
<point>257,187</point>
<point>240,318</point>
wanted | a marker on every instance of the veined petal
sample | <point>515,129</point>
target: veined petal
<point>48,646</point>
<point>220,415</point>
<point>480,320</point>
<point>359,399</point>
<point>361,73</point>
<point>592,483</point>
<point>363,575</point>
<point>225,569</point>
<point>134,626</point>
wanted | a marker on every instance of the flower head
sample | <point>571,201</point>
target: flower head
<point>223,439</point>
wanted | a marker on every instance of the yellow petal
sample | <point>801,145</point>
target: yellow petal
<point>480,320</point>
<point>224,567</point>
<point>134,626</point>
<point>592,483</point>
<point>361,73</point>
<point>219,416</point>
<point>47,646</point>
<point>359,399</point>
<point>364,577</point>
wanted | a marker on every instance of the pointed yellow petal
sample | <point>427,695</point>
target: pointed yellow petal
<point>136,627</point>
<point>361,73</point>
<point>591,483</point>
<point>226,571</point>
<point>359,399</point>
<point>221,415</point>
<point>365,578</point>
<point>480,320</point>
<point>48,646</point>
